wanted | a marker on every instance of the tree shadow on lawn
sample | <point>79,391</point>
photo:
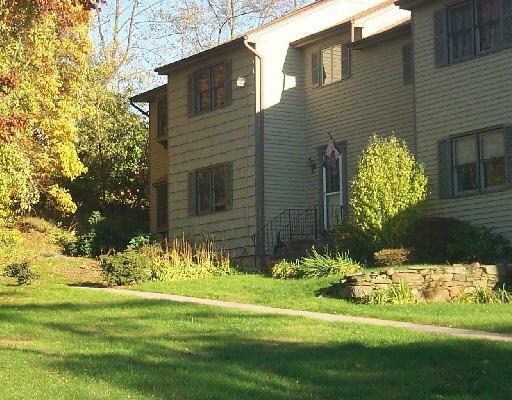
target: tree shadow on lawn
<point>184,352</point>
<point>232,367</point>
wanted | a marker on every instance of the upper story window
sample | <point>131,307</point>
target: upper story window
<point>479,162</point>
<point>210,189</point>
<point>330,60</point>
<point>210,88</point>
<point>331,64</point>
<point>162,118</point>
<point>471,27</point>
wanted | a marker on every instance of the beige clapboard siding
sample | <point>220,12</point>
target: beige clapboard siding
<point>458,98</point>
<point>158,163</point>
<point>373,99</point>
<point>224,135</point>
<point>284,84</point>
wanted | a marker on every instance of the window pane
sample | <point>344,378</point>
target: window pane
<point>203,88</point>
<point>161,205</point>
<point>465,150</point>
<point>494,172</point>
<point>336,63</point>
<point>466,177</point>
<point>488,14</point>
<point>493,160</point>
<point>332,177</point>
<point>162,117</point>
<point>461,30</point>
<point>327,66</point>
<point>492,145</point>
<point>218,97</point>
<point>203,191</point>
<point>466,163</point>
<point>219,188</point>
<point>218,75</point>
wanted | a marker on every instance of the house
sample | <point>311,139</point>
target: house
<point>255,141</point>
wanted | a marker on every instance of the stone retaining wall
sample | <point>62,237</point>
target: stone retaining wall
<point>435,284</point>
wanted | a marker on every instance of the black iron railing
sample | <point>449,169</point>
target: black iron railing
<point>298,224</point>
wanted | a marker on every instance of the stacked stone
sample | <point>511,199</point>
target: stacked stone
<point>442,283</point>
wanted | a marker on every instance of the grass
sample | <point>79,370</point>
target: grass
<point>59,342</point>
<point>302,294</point>
<point>63,342</point>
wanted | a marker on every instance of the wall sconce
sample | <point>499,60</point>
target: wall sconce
<point>240,82</point>
<point>312,164</point>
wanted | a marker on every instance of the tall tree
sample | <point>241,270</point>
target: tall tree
<point>44,45</point>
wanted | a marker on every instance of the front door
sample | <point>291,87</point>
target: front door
<point>333,193</point>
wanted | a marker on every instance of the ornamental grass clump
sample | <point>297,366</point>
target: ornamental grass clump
<point>316,265</point>
<point>184,260</point>
<point>387,193</point>
<point>399,293</point>
<point>485,296</point>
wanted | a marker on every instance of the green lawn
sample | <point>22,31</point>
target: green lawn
<point>58,342</point>
<point>302,294</point>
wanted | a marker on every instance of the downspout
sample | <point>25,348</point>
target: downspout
<point>260,165</point>
<point>132,103</point>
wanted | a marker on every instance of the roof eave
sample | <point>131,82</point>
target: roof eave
<point>389,34</point>
<point>165,69</point>
<point>344,27</point>
<point>409,4</point>
<point>147,96</point>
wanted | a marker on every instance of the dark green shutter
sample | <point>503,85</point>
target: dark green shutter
<point>315,68</point>
<point>440,38</point>
<point>229,186</point>
<point>191,95</point>
<point>192,193</point>
<point>228,82</point>
<point>508,152</point>
<point>445,168</point>
<point>345,60</point>
<point>507,22</point>
<point>407,64</point>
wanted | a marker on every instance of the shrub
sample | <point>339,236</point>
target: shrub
<point>399,293</point>
<point>392,257</point>
<point>140,241</point>
<point>316,265</point>
<point>104,235</point>
<point>485,296</point>
<point>439,240</point>
<point>125,268</point>
<point>388,192</point>
<point>22,272</point>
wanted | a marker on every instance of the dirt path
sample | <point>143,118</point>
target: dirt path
<point>438,330</point>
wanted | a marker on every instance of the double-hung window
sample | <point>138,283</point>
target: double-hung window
<point>161,205</point>
<point>471,27</point>
<point>210,189</point>
<point>210,88</point>
<point>162,118</point>
<point>479,162</point>
<point>330,59</point>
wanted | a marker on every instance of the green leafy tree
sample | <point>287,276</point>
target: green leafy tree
<point>113,145</point>
<point>387,193</point>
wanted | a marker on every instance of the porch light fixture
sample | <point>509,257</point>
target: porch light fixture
<point>240,82</point>
<point>312,164</point>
